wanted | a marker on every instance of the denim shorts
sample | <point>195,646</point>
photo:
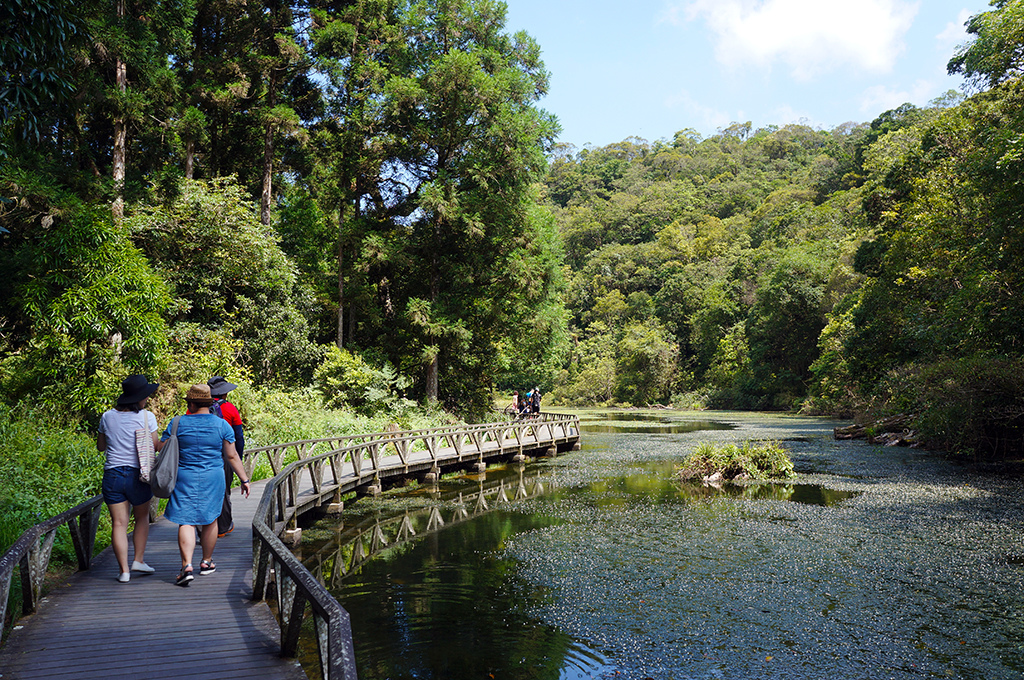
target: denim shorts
<point>122,484</point>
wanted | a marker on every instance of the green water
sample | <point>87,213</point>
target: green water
<point>873,563</point>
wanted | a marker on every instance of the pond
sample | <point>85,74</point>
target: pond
<point>873,563</point>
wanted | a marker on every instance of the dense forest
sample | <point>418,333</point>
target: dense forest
<point>362,202</point>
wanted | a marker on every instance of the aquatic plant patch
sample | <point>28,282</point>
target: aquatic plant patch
<point>749,460</point>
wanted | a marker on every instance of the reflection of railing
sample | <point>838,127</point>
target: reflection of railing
<point>324,471</point>
<point>417,452</point>
<point>32,552</point>
<point>361,542</point>
<point>361,463</point>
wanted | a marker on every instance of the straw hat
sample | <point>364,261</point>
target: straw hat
<point>199,394</point>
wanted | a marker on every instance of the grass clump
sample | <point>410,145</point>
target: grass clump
<point>750,460</point>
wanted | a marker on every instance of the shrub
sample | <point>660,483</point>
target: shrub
<point>757,460</point>
<point>968,405</point>
<point>346,379</point>
<point>47,468</point>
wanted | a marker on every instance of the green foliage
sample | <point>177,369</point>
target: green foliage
<point>346,379</point>
<point>970,405</point>
<point>37,52</point>
<point>647,361</point>
<point>85,305</point>
<point>785,322</point>
<point>730,244</point>
<point>228,273</point>
<point>994,55</point>
<point>752,459</point>
<point>48,467</point>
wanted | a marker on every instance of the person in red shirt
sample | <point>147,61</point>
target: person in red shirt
<point>219,388</point>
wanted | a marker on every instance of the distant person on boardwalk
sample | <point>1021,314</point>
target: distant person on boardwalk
<point>124,493</point>
<point>535,401</point>
<point>526,404</point>
<point>219,388</point>
<point>515,401</point>
<point>205,442</point>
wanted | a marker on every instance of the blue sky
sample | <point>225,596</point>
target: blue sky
<point>649,68</point>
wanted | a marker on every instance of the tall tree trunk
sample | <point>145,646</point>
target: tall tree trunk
<point>352,320</point>
<point>268,171</point>
<point>432,370</point>
<point>190,153</point>
<point>433,366</point>
<point>341,279</point>
<point>120,130</point>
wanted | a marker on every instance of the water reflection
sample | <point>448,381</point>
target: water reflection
<point>667,427</point>
<point>427,603</point>
<point>644,423</point>
<point>808,494</point>
<point>880,563</point>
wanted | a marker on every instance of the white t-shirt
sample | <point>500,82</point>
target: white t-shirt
<point>119,429</point>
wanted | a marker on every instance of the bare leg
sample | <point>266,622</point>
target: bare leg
<point>186,543</point>
<point>209,539</point>
<point>119,533</point>
<point>141,533</point>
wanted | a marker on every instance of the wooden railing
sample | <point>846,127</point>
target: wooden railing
<point>324,470</point>
<point>31,552</point>
<point>360,462</point>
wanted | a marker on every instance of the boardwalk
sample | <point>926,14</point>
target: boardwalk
<point>94,627</point>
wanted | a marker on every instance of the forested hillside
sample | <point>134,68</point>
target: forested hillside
<point>364,201</point>
<point>872,270</point>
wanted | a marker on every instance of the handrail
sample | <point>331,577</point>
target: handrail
<point>274,565</point>
<point>33,548</point>
<point>283,499</point>
<point>306,448</point>
<point>295,586</point>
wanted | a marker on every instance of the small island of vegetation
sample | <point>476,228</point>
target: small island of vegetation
<point>750,460</point>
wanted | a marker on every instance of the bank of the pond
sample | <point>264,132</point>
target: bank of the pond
<point>872,563</point>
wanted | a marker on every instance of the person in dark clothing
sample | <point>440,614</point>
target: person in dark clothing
<point>219,388</point>
<point>535,400</point>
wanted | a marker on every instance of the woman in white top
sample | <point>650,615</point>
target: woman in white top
<point>123,491</point>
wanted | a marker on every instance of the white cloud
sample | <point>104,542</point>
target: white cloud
<point>784,114</point>
<point>955,33</point>
<point>699,116</point>
<point>880,98</point>
<point>809,36</point>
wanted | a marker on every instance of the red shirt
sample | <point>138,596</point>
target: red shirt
<point>229,413</point>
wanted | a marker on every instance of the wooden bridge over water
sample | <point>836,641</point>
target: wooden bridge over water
<point>91,626</point>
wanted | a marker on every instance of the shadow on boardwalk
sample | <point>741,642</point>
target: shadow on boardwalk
<point>93,627</point>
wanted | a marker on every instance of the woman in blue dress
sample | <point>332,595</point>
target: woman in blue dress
<point>205,443</point>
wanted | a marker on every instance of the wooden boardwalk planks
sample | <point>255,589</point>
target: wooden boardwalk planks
<point>94,627</point>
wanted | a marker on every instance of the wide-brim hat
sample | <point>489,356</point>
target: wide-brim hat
<point>134,389</point>
<point>219,386</point>
<point>199,394</point>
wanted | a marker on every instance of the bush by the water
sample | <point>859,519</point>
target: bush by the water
<point>753,460</point>
<point>969,405</point>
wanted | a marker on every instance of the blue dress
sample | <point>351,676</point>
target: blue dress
<point>199,492</point>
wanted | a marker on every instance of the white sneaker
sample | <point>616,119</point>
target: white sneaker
<point>124,577</point>
<point>143,567</point>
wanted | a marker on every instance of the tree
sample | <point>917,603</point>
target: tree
<point>476,144</point>
<point>996,54</point>
<point>82,307</point>
<point>38,41</point>
<point>227,272</point>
